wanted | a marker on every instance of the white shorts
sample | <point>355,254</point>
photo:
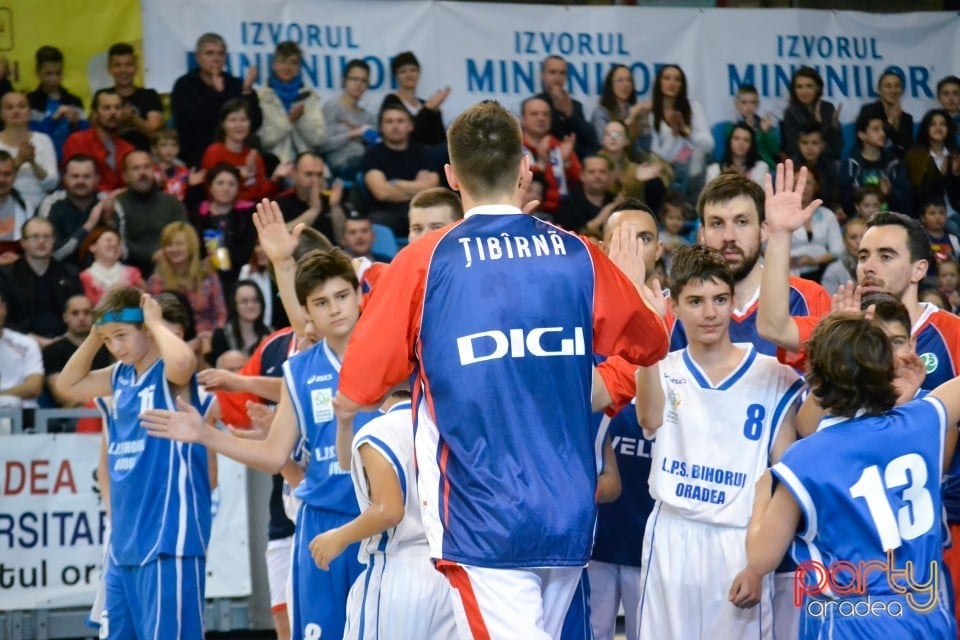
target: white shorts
<point>611,584</point>
<point>402,597</point>
<point>689,567</point>
<point>505,604</point>
<point>278,556</point>
<point>786,615</point>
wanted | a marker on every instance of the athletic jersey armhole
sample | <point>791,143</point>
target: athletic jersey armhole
<point>786,475</point>
<point>787,401</point>
<point>384,450</point>
<point>290,383</point>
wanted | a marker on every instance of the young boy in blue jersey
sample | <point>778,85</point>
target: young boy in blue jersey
<point>720,411</point>
<point>860,499</point>
<point>155,584</point>
<point>327,289</point>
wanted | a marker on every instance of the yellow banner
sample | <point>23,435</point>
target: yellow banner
<point>83,31</point>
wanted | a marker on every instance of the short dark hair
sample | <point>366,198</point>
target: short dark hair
<point>392,105</point>
<point>172,310</point>
<point>867,190</point>
<point>233,105</point>
<point>316,267</point>
<point>95,102</point>
<point>747,88</point>
<point>211,38</point>
<point>402,59</point>
<point>120,49</point>
<point>698,263</point>
<point>917,243</point>
<point>439,197</point>
<point>486,149</point>
<point>288,49</point>
<point>887,308</point>
<point>865,117</point>
<point>166,133</point>
<point>6,156</point>
<point>356,63</point>
<point>728,186</point>
<point>223,167</point>
<point>932,200</point>
<point>945,81</point>
<point>46,54</point>
<point>552,56</point>
<point>850,366</point>
<point>633,204</point>
<point>526,101</point>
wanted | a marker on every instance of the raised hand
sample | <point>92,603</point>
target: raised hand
<point>567,145</point>
<point>784,201</point>
<point>847,298</point>
<point>278,243</point>
<point>152,314</point>
<point>434,101</point>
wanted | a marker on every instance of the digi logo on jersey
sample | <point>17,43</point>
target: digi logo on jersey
<point>845,585</point>
<point>516,343</point>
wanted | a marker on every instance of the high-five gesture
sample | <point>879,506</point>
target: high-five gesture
<point>784,200</point>
<point>278,243</point>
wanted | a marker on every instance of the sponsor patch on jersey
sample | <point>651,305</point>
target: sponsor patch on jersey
<point>930,362</point>
<point>322,402</point>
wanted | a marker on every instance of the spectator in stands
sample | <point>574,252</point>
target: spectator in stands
<point>819,241</point>
<point>765,132</point>
<point>948,95</point>
<point>618,103</point>
<point>810,147</point>
<point>433,209</point>
<point>77,316</point>
<point>552,158</point>
<point>292,114</point>
<point>75,210</point>
<point>168,170</point>
<point>107,270</point>
<point>37,287</point>
<point>245,327</point>
<point>358,237</point>
<point>32,151</point>
<point>102,141</point>
<point>21,365</point>
<point>257,270</point>
<point>872,163</point>
<point>142,113</point>
<point>198,97</point>
<point>867,201</point>
<point>143,211</point>
<point>349,125</point>
<point>566,114</point>
<point>428,128</point>
<point>673,217</point>
<point>928,160</point>
<point>590,203</point>
<point>679,131</point>
<point>897,124</point>
<point>54,110</point>
<point>844,270</point>
<point>235,146</point>
<point>309,201</point>
<point>741,156</point>
<point>948,282</point>
<point>807,107</point>
<point>646,179</point>
<point>180,270</point>
<point>944,245</point>
<point>13,211</point>
<point>395,170</point>
<point>224,221</point>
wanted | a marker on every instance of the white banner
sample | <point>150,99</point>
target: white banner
<point>494,50</point>
<point>52,524</point>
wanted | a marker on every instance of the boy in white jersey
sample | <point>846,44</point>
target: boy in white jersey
<point>721,412</point>
<point>400,595</point>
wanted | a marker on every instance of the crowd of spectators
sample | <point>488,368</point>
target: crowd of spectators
<point>135,192</point>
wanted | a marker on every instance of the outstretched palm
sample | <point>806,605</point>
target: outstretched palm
<point>784,200</point>
<point>278,243</point>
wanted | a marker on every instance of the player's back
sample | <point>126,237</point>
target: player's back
<point>515,297</point>
<point>716,438</point>
<point>160,489</point>
<point>391,435</point>
<point>871,484</point>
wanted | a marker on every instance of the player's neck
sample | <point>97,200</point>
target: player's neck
<point>912,303</point>
<point>147,361</point>
<point>745,290</point>
<point>717,359</point>
<point>338,344</point>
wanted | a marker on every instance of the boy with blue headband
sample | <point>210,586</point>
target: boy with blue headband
<point>160,491</point>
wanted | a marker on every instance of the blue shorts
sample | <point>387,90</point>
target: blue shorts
<point>576,626</point>
<point>320,597</point>
<point>162,599</point>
